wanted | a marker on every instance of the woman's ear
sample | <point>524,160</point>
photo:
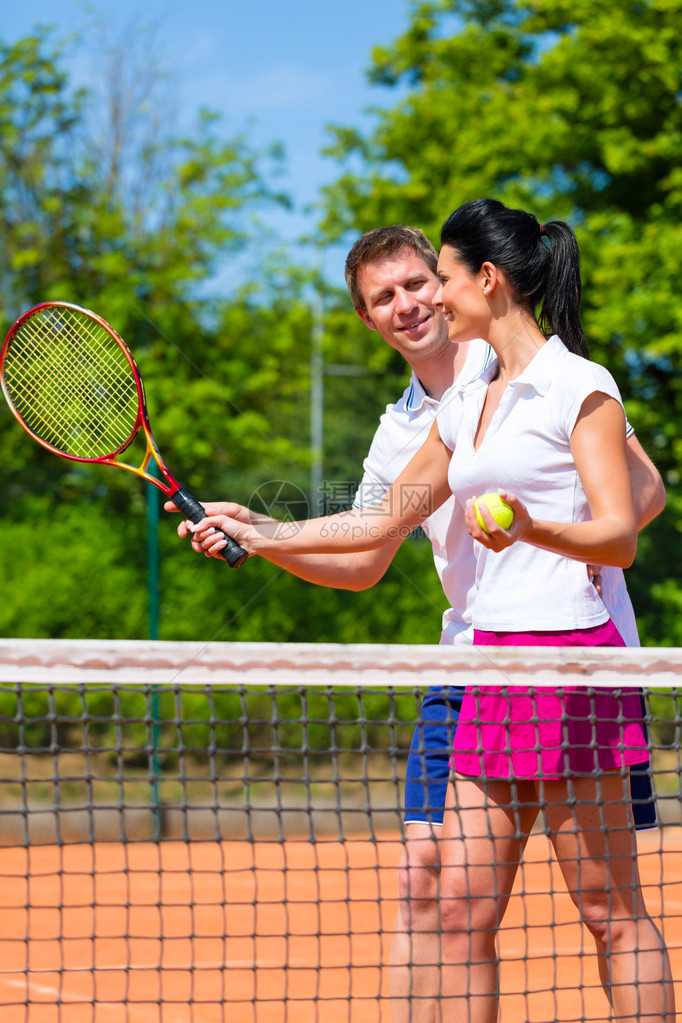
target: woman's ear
<point>489,278</point>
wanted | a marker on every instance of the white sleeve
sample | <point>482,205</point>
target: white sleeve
<point>586,380</point>
<point>449,417</point>
<point>397,440</point>
<point>375,481</point>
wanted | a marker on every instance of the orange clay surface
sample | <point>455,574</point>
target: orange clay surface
<point>264,932</point>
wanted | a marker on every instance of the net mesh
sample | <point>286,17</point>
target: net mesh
<point>71,383</point>
<point>196,850</point>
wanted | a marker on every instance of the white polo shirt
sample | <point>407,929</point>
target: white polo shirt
<point>402,430</point>
<point>526,450</point>
<point>616,600</point>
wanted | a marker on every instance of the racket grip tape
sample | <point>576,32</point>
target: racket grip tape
<point>234,554</point>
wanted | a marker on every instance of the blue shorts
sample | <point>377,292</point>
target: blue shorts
<point>428,764</point>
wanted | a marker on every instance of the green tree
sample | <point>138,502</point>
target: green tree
<point>217,371</point>
<point>571,110</point>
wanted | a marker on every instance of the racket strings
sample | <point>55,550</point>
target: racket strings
<point>95,386</point>
<point>71,383</point>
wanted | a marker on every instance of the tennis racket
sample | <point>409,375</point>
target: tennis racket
<point>74,386</point>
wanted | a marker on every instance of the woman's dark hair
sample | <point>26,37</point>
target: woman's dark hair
<point>487,231</point>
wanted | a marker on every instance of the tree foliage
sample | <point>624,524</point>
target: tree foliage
<point>71,229</point>
<point>100,204</point>
<point>574,111</point>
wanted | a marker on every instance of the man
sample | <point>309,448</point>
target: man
<point>391,278</point>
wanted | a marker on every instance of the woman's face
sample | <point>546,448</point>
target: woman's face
<point>462,297</point>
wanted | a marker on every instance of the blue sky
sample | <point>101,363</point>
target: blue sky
<point>281,72</point>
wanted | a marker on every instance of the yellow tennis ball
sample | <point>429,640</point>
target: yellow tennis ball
<point>498,508</point>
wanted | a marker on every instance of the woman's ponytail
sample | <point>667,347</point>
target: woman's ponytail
<point>560,312</point>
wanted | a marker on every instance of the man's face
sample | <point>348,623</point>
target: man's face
<point>398,291</point>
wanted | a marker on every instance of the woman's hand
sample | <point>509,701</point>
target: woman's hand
<point>497,539</point>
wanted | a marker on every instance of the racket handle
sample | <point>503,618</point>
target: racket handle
<point>234,554</point>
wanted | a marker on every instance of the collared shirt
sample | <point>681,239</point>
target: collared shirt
<point>526,450</point>
<point>402,430</point>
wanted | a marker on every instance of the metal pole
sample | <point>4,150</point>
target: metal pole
<point>153,572</point>
<point>317,402</point>
<point>153,606</point>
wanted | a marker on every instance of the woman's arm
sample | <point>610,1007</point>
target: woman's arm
<point>610,536</point>
<point>419,490</point>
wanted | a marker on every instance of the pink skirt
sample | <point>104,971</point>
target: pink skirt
<point>551,732</point>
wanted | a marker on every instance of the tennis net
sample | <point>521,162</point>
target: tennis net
<point>214,833</point>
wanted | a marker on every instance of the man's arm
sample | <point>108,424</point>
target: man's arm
<point>648,494</point>
<point>358,529</point>
<point>648,490</point>
<point>355,571</point>
<point>359,570</point>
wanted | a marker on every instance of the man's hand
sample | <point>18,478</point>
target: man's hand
<point>594,573</point>
<point>230,512</point>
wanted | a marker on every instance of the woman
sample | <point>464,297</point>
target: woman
<point>546,427</point>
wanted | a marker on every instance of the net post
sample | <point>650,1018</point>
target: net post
<point>153,607</point>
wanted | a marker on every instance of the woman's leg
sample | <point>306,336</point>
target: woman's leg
<point>594,839</point>
<point>485,830</point>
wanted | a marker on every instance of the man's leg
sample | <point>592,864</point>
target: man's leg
<point>641,788</point>
<point>415,951</point>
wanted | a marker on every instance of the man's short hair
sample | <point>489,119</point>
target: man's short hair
<point>382,242</point>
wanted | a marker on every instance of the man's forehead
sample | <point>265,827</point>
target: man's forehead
<point>393,268</point>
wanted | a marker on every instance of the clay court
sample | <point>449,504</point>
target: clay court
<point>267,932</point>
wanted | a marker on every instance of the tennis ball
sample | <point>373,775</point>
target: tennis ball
<point>498,508</point>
